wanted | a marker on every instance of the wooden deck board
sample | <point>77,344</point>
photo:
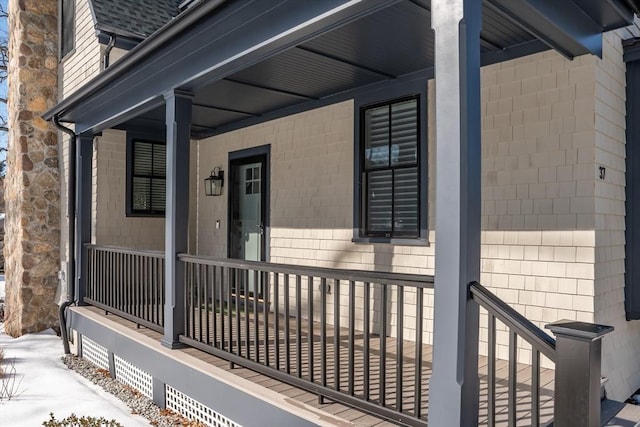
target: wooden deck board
<point>311,340</point>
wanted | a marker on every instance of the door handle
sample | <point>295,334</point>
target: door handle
<point>260,228</point>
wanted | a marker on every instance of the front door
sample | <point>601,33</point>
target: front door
<point>248,212</point>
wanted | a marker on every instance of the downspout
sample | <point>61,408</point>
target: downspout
<point>71,214</point>
<point>107,51</point>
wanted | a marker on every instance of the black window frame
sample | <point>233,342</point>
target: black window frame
<point>130,211</point>
<point>397,93</point>
<point>66,28</point>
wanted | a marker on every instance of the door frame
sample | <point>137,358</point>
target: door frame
<point>249,155</point>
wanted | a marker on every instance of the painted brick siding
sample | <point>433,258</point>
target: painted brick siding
<point>621,349</point>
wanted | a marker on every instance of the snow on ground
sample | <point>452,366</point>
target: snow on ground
<point>47,385</point>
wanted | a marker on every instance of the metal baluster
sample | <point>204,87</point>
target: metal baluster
<point>287,355</point>
<point>366,337</point>
<point>535,388</point>
<point>265,308</point>
<point>256,312</point>
<point>417,404</point>
<point>237,285</point>
<point>513,355</point>
<point>383,346</point>
<point>211,306</point>
<point>230,278</point>
<point>246,307</point>
<point>299,326</point>
<point>323,334</point>
<point>491,372</point>
<point>310,325</point>
<point>199,287</point>
<point>276,318</point>
<point>207,305</point>
<point>224,280</point>
<point>399,347</point>
<point>336,335</point>
<point>352,328</point>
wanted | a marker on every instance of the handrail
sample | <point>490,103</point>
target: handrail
<point>400,279</point>
<point>514,320</point>
<point>354,337</point>
<point>121,250</point>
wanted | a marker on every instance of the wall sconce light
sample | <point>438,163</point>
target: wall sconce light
<point>213,184</point>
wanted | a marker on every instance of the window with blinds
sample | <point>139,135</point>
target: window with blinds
<point>148,178</point>
<point>390,181</point>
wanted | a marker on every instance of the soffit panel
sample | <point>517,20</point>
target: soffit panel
<point>306,73</point>
<point>405,45</point>
<point>391,42</point>
<point>240,97</point>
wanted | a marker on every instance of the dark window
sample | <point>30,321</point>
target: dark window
<point>67,26</point>
<point>147,178</point>
<point>390,169</point>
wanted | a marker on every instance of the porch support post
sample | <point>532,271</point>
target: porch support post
<point>84,154</point>
<point>454,385</point>
<point>178,122</point>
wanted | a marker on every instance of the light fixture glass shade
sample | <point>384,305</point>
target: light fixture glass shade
<point>213,184</point>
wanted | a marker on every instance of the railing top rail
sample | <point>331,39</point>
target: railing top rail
<point>128,251</point>
<point>535,336</point>
<point>402,279</point>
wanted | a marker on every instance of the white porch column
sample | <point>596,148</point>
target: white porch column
<point>178,122</point>
<point>454,386</point>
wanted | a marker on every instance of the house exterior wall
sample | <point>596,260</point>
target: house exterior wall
<point>621,348</point>
<point>77,68</point>
<point>553,232</point>
<point>112,225</point>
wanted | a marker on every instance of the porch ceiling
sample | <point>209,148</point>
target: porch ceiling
<point>249,61</point>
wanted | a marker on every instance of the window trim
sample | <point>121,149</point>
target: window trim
<point>130,212</point>
<point>391,94</point>
<point>62,56</point>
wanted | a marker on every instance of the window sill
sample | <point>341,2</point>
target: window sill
<point>397,241</point>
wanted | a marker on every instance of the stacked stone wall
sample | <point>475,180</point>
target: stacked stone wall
<point>32,188</point>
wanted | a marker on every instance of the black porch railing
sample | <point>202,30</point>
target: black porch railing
<point>353,337</point>
<point>315,328</point>
<point>129,283</point>
<point>540,342</point>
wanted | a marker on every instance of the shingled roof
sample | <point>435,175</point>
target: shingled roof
<point>133,18</point>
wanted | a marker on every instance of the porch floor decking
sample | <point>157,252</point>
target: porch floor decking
<point>352,415</point>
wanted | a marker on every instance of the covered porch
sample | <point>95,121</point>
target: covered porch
<point>228,65</point>
<point>346,362</point>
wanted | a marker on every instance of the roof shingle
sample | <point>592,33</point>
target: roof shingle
<point>135,17</point>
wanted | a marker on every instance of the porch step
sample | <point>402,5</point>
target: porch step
<point>618,414</point>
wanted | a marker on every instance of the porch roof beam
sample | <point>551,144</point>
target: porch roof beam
<point>222,41</point>
<point>564,26</point>
<point>269,88</point>
<point>350,63</point>
<point>229,110</point>
<point>483,40</point>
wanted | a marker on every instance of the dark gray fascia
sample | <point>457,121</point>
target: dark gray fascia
<point>154,42</point>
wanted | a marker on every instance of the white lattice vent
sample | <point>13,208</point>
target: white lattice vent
<point>133,376</point>
<point>95,353</point>
<point>194,410</point>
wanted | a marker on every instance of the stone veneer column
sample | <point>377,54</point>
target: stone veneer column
<point>32,185</point>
